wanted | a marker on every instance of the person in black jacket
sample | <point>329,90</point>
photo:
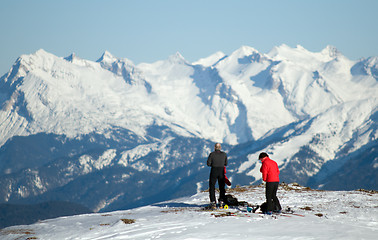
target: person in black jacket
<point>217,160</point>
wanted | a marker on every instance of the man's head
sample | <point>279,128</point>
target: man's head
<point>217,146</point>
<point>263,155</point>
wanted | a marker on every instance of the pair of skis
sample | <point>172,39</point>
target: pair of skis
<point>246,209</point>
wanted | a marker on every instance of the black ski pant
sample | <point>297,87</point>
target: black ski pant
<point>216,174</point>
<point>273,204</point>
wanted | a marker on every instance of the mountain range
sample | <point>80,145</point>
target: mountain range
<point>110,134</point>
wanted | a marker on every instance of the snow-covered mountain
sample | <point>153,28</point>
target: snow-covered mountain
<point>320,215</point>
<point>113,135</point>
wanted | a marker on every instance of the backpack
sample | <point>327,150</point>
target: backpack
<point>230,200</point>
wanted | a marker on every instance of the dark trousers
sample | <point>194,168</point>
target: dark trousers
<point>216,174</point>
<point>273,204</point>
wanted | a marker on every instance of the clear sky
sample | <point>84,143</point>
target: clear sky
<point>151,30</point>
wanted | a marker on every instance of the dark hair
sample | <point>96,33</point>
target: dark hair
<point>262,155</point>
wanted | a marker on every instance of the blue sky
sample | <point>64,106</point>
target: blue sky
<point>151,30</point>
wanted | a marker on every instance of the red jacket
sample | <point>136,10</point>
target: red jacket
<point>269,170</point>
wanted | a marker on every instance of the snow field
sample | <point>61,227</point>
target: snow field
<point>327,215</point>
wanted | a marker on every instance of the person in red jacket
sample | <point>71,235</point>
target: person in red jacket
<point>270,175</point>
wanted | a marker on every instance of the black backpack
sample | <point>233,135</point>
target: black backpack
<point>230,200</point>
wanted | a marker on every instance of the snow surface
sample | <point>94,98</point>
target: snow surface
<point>326,215</point>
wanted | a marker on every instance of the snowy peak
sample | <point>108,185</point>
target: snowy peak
<point>71,58</point>
<point>40,53</point>
<point>243,63</point>
<point>279,51</point>
<point>107,58</point>
<point>177,58</point>
<point>246,55</point>
<point>244,51</point>
<point>39,59</point>
<point>302,56</point>
<point>331,51</point>
<point>210,60</point>
<point>122,67</point>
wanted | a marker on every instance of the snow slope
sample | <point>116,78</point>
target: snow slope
<point>326,215</point>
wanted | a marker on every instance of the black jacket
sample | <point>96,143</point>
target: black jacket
<point>217,159</point>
